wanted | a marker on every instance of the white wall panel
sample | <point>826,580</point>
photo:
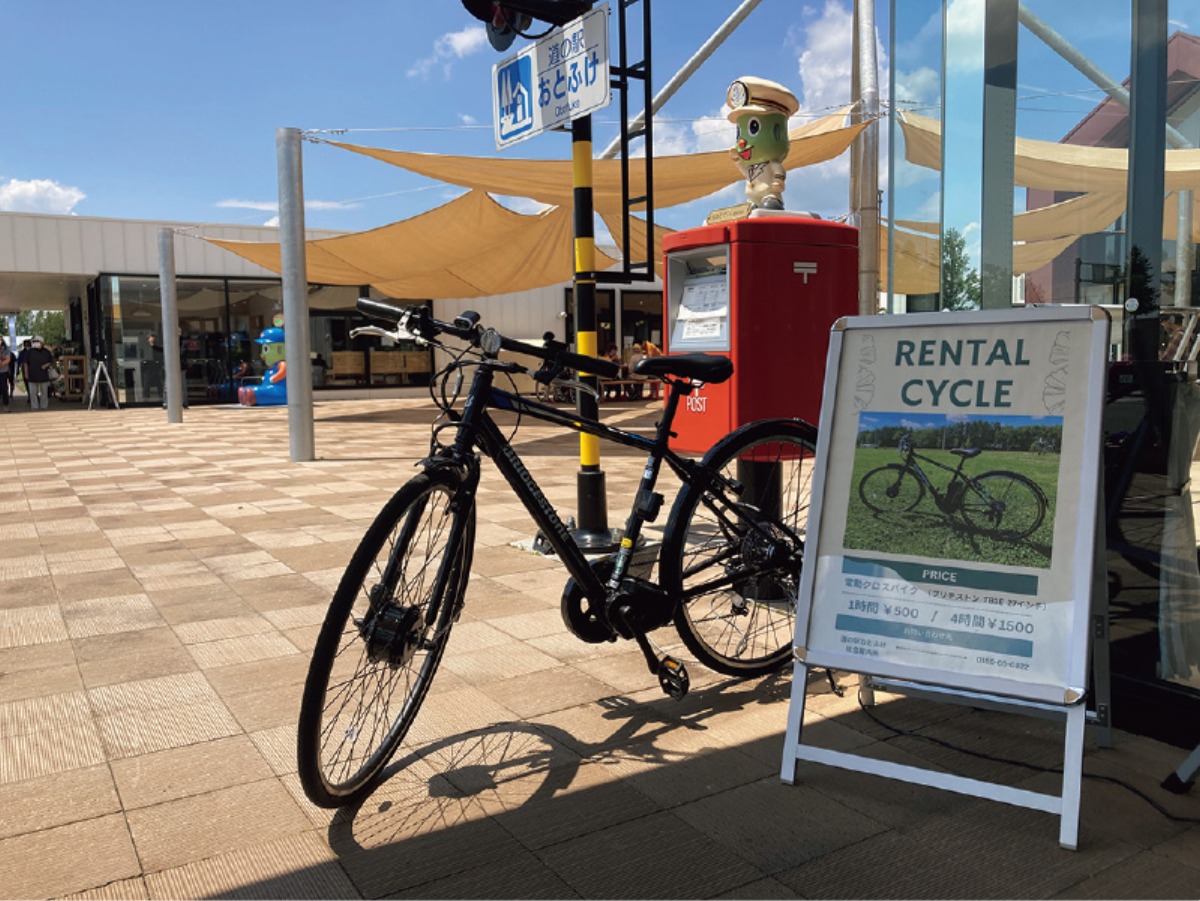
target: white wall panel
<point>80,245</point>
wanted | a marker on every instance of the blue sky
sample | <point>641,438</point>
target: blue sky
<point>162,110</point>
<point>151,109</point>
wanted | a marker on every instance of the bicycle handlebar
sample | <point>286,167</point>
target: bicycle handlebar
<point>417,322</point>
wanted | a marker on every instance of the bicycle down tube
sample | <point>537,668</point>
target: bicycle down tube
<point>477,427</point>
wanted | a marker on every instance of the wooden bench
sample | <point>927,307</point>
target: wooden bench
<point>625,387</point>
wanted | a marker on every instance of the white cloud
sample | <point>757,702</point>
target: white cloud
<point>248,204</point>
<point>526,206</point>
<point>964,36</point>
<point>38,195</point>
<point>711,132</point>
<point>273,222</point>
<point>826,59</point>
<point>467,119</point>
<point>449,47</point>
<point>270,206</point>
<point>918,90</point>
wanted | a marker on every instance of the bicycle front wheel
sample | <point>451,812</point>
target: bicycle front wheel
<point>735,544</point>
<point>891,489</point>
<point>383,637</point>
<point>1004,505</point>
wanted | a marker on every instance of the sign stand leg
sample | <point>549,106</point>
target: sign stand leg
<point>1072,780</point>
<point>1101,678</point>
<point>795,722</point>
<point>1066,804</point>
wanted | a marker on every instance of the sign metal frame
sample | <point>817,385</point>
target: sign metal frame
<point>874,366</point>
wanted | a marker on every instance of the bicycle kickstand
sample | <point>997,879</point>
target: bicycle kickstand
<point>672,674</point>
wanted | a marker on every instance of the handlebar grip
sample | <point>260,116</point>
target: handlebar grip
<point>380,310</point>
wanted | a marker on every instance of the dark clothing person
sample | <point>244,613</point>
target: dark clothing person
<point>37,362</point>
<point>6,360</point>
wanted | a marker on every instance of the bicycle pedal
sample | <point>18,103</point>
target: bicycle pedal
<point>673,677</point>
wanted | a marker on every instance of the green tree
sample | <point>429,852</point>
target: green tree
<point>50,324</point>
<point>960,282</point>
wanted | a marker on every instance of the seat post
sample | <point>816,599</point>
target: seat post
<point>677,388</point>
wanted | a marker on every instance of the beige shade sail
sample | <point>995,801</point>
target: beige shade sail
<point>470,247</point>
<point>918,259</point>
<point>1053,166</point>
<point>677,179</point>
<point>1080,215</point>
<point>637,237</point>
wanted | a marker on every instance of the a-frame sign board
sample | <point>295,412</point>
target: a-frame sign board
<point>976,586</point>
<point>100,374</point>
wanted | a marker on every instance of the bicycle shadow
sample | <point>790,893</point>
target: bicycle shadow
<point>528,769</point>
<point>982,546</point>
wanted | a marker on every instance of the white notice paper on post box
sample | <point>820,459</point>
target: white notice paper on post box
<point>703,309</point>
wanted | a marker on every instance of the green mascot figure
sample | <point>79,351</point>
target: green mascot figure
<point>760,109</point>
<point>273,390</point>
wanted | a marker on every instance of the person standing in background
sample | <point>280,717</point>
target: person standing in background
<point>36,363</point>
<point>25,345</point>
<point>6,359</point>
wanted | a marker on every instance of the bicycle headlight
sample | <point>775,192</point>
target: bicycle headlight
<point>489,341</point>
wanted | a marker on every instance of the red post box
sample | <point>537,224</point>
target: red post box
<point>764,292</point>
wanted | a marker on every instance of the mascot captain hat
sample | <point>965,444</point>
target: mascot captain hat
<point>757,95</point>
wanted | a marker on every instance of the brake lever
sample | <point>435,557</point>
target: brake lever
<point>401,333</point>
<point>374,330</point>
<point>577,385</point>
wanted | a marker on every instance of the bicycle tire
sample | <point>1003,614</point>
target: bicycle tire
<point>1004,505</point>
<point>891,489</point>
<point>372,665</point>
<point>734,562</point>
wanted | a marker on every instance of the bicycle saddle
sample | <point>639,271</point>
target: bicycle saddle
<point>966,452</point>
<point>700,367</point>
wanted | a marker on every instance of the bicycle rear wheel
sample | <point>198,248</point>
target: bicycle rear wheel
<point>383,637</point>
<point>1004,505</point>
<point>734,560</point>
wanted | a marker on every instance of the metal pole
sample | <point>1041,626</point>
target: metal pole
<point>867,200</point>
<point>685,72</point>
<point>999,146</point>
<point>295,295</point>
<point>593,533</point>
<point>891,161</point>
<point>169,339</point>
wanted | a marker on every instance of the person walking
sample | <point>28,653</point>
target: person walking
<point>37,362</point>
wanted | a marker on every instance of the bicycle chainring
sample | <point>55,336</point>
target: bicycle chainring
<point>587,622</point>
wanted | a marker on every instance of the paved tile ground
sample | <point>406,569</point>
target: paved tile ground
<point>161,587</point>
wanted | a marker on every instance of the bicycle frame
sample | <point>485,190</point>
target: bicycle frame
<point>476,428</point>
<point>956,473</point>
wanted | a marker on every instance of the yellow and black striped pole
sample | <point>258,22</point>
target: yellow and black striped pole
<point>592,532</point>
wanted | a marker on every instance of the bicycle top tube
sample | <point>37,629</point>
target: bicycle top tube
<point>682,371</point>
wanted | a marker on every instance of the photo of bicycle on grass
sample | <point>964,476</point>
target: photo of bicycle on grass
<point>955,487</point>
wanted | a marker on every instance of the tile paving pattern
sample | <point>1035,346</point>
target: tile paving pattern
<point>162,585</point>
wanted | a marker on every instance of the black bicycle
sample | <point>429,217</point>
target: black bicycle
<point>728,568</point>
<point>1000,504</point>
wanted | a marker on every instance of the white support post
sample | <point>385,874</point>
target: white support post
<point>295,295</point>
<point>169,339</point>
